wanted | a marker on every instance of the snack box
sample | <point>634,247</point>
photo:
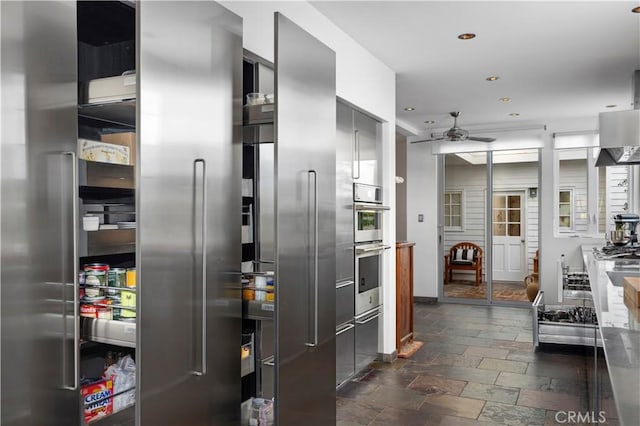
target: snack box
<point>103,152</point>
<point>98,401</point>
<point>127,139</point>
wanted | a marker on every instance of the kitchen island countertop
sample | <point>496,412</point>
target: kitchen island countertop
<point>619,329</point>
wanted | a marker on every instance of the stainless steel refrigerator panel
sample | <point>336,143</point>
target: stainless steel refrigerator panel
<point>367,155</point>
<point>305,227</point>
<point>345,352</point>
<point>345,301</point>
<point>266,200</point>
<point>344,192</point>
<point>188,205</point>
<point>39,330</point>
<point>367,337</point>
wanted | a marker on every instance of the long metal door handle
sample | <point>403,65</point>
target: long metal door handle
<point>203,369</point>
<point>369,319</point>
<point>76,290</point>
<point>356,149</point>
<point>315,257</point>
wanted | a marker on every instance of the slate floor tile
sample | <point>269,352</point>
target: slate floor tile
<point>452,406</point>
<point>503,365</point>
<point>355,390</point>
<point>501,335</point>
<point>452,360</point>
<point>397,378</point>
<point>549,400</point>
<point>556,370</point>
<point>494,393</point>
<point>356,412</point>
<point>388,396</point>
<point>524,381</point>
<point>463,373</point>
<point>399,417</point>
<point>486,352</point>
<point>437,385</point>
<point>461,421</point>
<point>512,415</point>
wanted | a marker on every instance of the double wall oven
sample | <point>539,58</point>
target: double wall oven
<point>369,249</point>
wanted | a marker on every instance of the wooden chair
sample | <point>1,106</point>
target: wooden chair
<point>471,262</point>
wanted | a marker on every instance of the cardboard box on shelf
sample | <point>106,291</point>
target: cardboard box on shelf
<point>103,152</point>
<point>127,139</point>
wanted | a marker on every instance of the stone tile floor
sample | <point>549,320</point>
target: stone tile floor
<point>478,366</point>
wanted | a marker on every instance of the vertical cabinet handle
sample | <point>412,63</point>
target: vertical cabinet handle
<point>315,257</point>
<point>203,369</point>
<point>356,154</point>
<point>76,316</point>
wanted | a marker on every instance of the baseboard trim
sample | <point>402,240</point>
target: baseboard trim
<point>389,358</point>
<point>428,300</point>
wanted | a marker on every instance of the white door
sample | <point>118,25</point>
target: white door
<point>509,236</point>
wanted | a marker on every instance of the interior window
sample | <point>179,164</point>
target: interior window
<point>565,210</point>
<point>453,206</point>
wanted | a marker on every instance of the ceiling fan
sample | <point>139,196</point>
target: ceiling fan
<point>456,134</point>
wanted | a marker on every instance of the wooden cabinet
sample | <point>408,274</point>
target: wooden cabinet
<point>404,293</point>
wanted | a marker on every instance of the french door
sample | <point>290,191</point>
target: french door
<point>508,226</point>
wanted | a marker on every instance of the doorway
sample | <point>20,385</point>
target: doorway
<point>508,225</point>
<point>490,199</point>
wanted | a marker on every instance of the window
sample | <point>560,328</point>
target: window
<point>565,210</point>
<point>453,207</point>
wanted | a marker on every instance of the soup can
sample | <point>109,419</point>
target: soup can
<point>93,284</point>
<point>96,267</point>
<point>89,311</point>
<point>116,278</point>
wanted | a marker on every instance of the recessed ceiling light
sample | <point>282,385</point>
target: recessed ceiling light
<point>514,114</point>
<point>611,106</point>
<point>466,36</point>
<point>430,122</point>
<point>492,78</point>
<point>409,109</point>
<point>636,9</point>
<point>505,99</point>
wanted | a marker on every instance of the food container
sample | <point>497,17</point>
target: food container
<point>131,278</point>
<point>270,296</point>
<point>90,223</point>
<point>255,99</point>
<point>93,283</point>
<point>98,400</point>
<point>116,278</point>
<point>88,311</point>
<point>127,300</point>
<point>103,152</point>
<point>96,267</point>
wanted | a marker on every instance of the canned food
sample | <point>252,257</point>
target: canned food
<point>96,267</point>
<point>116,278</point>
<point>103,313</point>
<point>270,296</point>
<point>115,313</point>
<point>131,277</point>
<point>89,311</point>
<point>128,303</point>
<point>248,294</point>
<point>81,278</point>
<point>94,281</point>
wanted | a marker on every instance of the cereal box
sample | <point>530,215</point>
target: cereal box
<point>97,400</point>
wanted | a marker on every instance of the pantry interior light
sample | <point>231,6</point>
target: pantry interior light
<point>466,36</point>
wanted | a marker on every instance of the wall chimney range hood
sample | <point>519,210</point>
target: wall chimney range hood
<point>620,133</point>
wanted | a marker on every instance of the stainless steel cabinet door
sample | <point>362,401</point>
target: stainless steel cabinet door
<point>305,228</point>
<point>188,205</point>
<point>345,154</point>
<point>367,150</point>
<point>39,132</point>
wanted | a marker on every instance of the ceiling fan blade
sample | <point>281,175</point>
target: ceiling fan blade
<point>480,139</point>
<point>429,140</point>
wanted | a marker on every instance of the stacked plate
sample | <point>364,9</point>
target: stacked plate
<point>126,225</point>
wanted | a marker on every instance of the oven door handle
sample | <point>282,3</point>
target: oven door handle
<point>367,313</point>
<point>374,207</point>
<point>369,319</point>
<point>372,249</point>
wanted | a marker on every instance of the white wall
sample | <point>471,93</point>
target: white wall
<point>361,80</point>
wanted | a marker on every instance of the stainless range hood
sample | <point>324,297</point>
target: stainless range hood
<point>620,133</point>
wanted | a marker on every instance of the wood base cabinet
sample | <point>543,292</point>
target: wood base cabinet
<point>404,293</point>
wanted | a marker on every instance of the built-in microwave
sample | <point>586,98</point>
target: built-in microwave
<point>368,211</point>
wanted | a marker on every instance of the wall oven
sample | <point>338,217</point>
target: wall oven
<point>368,276</point>
<point>368,211</point>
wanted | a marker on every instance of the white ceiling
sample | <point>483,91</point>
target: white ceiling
<point>555,59</point>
